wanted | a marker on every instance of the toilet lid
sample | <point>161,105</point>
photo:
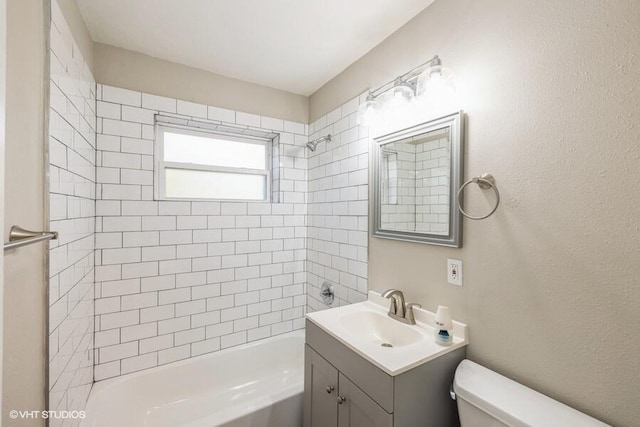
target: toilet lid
<point>513,403</point>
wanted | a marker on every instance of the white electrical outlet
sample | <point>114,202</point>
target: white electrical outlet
<point>454,271</point>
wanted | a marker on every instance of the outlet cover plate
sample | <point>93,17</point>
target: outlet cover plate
<point>454,271</point>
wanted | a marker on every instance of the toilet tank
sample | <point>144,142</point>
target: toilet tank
<point>487,399</point>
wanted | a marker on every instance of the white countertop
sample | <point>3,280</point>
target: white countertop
<point>397,359</point>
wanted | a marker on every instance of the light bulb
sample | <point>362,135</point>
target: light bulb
<point>367,111</point>
<point>396,110</point>
<point>403,91</point>
<point>398,100</point>
<point>436,82</point>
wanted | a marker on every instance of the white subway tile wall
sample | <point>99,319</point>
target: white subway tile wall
<point>338,208</point>
<point>176,279</point>
<point>72,147</point>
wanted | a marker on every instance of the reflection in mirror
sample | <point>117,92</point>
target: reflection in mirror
<point>415,171</point>
<point>415,183</point>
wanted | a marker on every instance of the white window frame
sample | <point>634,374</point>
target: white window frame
<point>160,166</point>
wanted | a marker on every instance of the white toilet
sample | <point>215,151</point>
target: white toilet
<point>487,399</point>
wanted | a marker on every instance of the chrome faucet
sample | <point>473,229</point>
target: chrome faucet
<point>399,310</point>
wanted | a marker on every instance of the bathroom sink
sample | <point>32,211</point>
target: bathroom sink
<point>379,329</point>
<point>392,346</point>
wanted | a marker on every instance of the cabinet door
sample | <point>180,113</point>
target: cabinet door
<point>320,391</point>
<point>359,410</point>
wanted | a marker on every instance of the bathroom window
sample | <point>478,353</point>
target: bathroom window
<point>196,165</point>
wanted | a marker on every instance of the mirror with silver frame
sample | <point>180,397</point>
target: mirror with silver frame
<point>416,172</point>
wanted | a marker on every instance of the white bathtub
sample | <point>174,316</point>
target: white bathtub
<point>254,385</point>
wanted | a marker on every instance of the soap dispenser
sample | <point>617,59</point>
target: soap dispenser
<point>444,326</point>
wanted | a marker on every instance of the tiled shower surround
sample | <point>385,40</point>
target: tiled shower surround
<point>176,279</point>
<point>72,141</point>
<point>338,208</point>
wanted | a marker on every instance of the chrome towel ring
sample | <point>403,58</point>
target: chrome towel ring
<point>484,181</point>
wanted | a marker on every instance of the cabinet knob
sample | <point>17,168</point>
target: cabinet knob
<point>330,388</point>
<point>341,399</point>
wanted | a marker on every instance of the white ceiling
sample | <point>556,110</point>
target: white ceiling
<point>293,45</point>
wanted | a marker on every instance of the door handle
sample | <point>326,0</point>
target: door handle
<point>341,399</point>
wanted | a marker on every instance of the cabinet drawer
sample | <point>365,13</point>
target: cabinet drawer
<point>372,380</point>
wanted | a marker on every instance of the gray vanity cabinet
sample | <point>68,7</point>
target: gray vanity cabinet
<point>358,409</point>
<point>342,389</point>
<point>320,390</point>
<point>332,400</point>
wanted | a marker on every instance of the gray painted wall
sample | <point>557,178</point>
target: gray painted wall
<point>551,280</point>
<point>135,71</point>
<point>79,29</point>
<point>25,294</point>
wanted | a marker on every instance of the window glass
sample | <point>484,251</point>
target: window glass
<point>200,165</point>
<point>194,184</point>
<point>187,148</point>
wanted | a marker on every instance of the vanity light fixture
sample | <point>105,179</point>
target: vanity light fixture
<point>428,79</point>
